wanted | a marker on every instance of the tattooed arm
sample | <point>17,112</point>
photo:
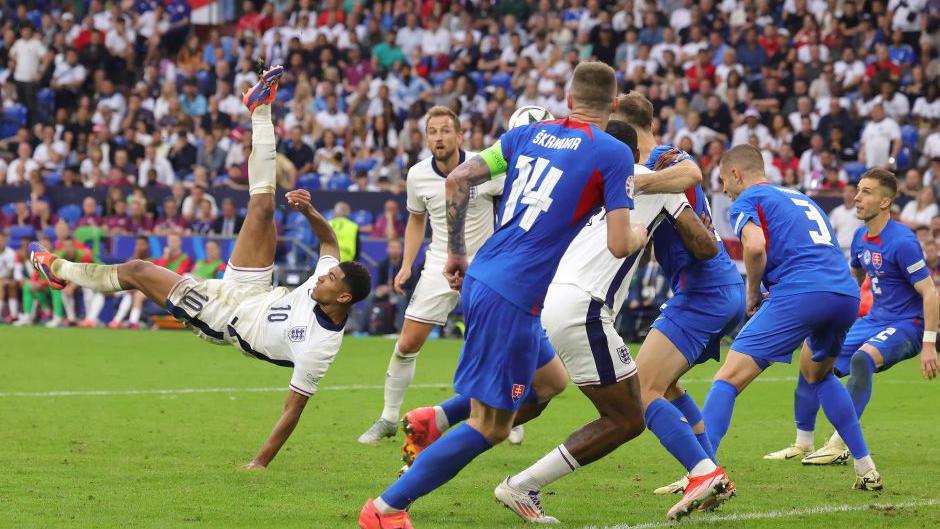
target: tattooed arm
<point>472,172</point>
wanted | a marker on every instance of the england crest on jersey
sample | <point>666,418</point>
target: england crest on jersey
<point>297,334</point>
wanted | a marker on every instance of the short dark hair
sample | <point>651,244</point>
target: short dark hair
<point>357,279</point>
<point>594,85</point>
<point>746,157</point>
<point>634,108</point>
<point>624,132</point>
<point>885,179</point>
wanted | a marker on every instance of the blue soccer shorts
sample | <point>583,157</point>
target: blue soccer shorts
<point>896,341</point>
<point>503,347</point>
<point>695,322</point>
<point>782,323</point>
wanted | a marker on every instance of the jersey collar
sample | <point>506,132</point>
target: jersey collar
<point>463,156</point>
<point>326,322</point>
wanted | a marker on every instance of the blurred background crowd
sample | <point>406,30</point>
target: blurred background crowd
<point>122,130</point>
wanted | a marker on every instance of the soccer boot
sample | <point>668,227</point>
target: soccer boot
<point>706,492</point>
<point>676,487</point>
<point>516,435</point>
<point>265,90</point>
<point>870,481</point>
<point>42,261</point>
<point>420,427</point>
<point>378,431</point>
<point>371,518</point>
<point>526,504</point>
<point>834,452</point>
<point>794,451</point>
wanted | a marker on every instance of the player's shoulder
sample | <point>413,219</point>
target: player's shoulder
<point>897,233</point>
<point>422,169</point>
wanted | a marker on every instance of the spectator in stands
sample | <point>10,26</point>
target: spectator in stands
<point>912,184</point>
<point>50,154</point>
<point>194,201</point>
<point>27,60</point>
<point>41,216</point>
<point>182,156</point>
<point>119,222</point>
<point>881,140</point>
<point>22,167</point>
<point>173,257</point>
<point>204,218</point>
<point>387,306</point>
<point>90,216</point>
<point>212,267</point>
<point>68,76</point>
<point>389,225</point>
<point>298,152</point>
<point>230,222</point>
<point>171,222</point>
<point>140,220</point>
<point>362,182</point>
<point>919,212</point>
<point>9,291</point>
<point>347,231</point>
<point>155,170</point>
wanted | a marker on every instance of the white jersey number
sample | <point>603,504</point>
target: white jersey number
<point>538,200</point>
<point>819,237</point>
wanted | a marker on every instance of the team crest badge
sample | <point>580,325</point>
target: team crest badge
<point>624,353</point>
<point>876,259</point>
<point>297,334</point>
<point>518,390</point>
<point>473,193</point>
<point>866,257</point>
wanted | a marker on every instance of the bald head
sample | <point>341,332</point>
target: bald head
<point>741,167</point>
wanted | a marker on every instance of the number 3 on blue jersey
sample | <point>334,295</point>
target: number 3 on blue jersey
<point>538,200</point>
<point>822,236</point>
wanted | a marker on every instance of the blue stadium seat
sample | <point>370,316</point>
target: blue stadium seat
<point>438,78</point>
<point>910,136</point>
<point>46,100</point>
<point>278,216</point>
<point>53,179</point>
<point>8,209</point>
<point>339,182</point>
<point>285,92</point>
<point>71,213</point>
<point>243,212</point>
<point>309,181</point>
<point>22,232</point>
<point>49,231</point>
<point>203,82</point>
<point>362,217</point>
<point>365,165</point>
<point>854,171</point>
<point>477,78</point>
<point>905,158</point>
<point>12,119</point>
<point>501,79</point>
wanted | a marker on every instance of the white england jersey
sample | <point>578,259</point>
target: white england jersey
<point>589,265</point>
<point>7,263</point>
<point>297,331</point>
<point>426,195</point>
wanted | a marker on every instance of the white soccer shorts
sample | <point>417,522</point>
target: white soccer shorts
<point>581,329</point>
<point>433,300</point>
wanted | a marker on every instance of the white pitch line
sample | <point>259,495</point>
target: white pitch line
<point>772,515</point>
<point>187,391</point>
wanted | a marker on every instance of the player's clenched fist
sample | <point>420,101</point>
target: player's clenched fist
<point>400,279</point>
<point>455,270</point>
<point>299,200</point>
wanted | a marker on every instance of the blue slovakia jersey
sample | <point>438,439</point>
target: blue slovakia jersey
<point>686,273</point>
<point>802,254</point>
<point>559,173</point>
<point>894,261</point>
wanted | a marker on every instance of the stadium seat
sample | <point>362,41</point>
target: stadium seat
<point>12,119</point>
<point>294,219</point>
<point>365,165</point>
<point>501,79</point>
<point>910,136</point>
<point>53,179</point>
<point>309,181</point>
<point>71,213</point>
<point>22,232</point>
<point>905,158</point>
<point>285,92</point>
<point>362,217</point>
<point>854,170</point>
<point>8,209</point>
<point>438,78</point>
<point>339,182</point>
<point>278,216</point>
<point>46,107</point>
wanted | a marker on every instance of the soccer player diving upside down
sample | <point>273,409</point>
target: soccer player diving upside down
<point>301,329</point>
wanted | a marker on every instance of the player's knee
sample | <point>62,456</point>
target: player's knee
<point>859,365</point>
<point>550,387</point>
<point>261,205</point>
<point>628,426</point>
<point>408,346</point>
<point>494,433</point>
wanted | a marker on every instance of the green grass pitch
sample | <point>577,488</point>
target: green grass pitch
<point>116,459</point>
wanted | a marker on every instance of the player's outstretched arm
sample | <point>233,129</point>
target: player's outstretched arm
<point>697,238</point>
<point>623,237</point>
<point>299,200</point>
<point>471,172</point>
<point>282,430</point>
<point>669,178</point>
<point>928,353</point>
<point>755,261</point>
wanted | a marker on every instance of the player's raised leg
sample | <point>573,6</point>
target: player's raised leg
<point>257,240</point>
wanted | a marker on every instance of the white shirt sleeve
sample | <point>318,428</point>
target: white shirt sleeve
<point>674,203</point>
<point>414,202</point>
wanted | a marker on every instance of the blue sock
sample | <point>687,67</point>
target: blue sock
<point>436,465</point>
<point>665,421</point>
<point>719,404</point>
<point>805,405</point>
<point>456,408</point>
<point>838,407</point>
<point>689,408</point>
<point>860,380</point>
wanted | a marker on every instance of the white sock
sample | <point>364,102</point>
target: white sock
<point>383,507</point>
<point>804,438</point>
<point>863,465</point>
<point>100,278</point>
<point>68,303</point>
<point>14,304</point>
<point>135,316</point>
<point>401,371</point>
<point>440,417</point>
<point>94,303</point>
<point>552,467</point>
<point>125,307</point>
<point>705,466</point>
<point>836,440</point>
<point>262,169</point>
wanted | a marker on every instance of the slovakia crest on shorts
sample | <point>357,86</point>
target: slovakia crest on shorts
<point>518,390</point>
<point>876,259</point>
<point>297,334</point>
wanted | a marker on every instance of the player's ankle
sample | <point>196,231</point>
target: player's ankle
<point>703,467</point>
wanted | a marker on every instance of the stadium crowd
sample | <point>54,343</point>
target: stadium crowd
<point>131,96</point>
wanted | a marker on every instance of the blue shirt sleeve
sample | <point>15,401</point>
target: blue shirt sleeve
<point>743,210</point>
<point>854,250</point>
<point>910,258</point>
<point>616,167</point>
